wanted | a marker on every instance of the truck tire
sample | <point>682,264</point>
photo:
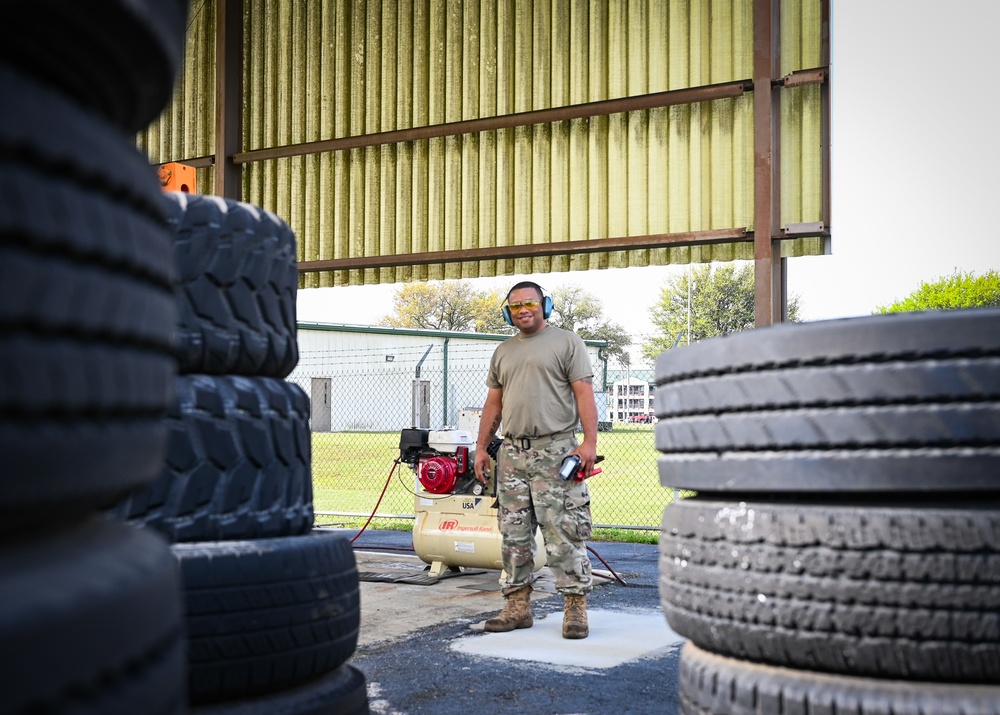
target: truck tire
<point>342,692</point>
<point>237,288</point>
<point>711,684</point>
<point>895,589</point>
<point>42,129</point>
<point>87,315</point>
<point>268,614</point>
<point>909,401</point>
<point>91,623</point>
<point>238,463</point>
<point>118,58</point>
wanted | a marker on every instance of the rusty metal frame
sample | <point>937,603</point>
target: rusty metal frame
<point>691,95</point>
<point>706,93</point>
<point>769,274</point>
<point>770,284</point>
<point>621,243</point>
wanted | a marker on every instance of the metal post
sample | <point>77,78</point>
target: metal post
<point>422,394</point>
<point>768,267</point>
<point>421,403</point>
<point>228,97</point>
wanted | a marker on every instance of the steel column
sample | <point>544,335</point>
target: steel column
<point>228,97</point>
<point>769,299</point>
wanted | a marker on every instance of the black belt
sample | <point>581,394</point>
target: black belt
<point>529,442</point>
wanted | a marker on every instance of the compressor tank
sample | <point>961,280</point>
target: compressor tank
<point>461,530</point>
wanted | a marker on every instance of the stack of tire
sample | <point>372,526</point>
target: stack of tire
<point>272,606</point>
<point>90,610</point>
<point>842,554</point>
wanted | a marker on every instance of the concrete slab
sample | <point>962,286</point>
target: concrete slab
<point>615,638</point>
<point>392,609</point>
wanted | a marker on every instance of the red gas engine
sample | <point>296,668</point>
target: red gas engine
<point>441,459</point>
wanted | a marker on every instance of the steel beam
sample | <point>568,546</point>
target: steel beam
<point>623,243</point>
<point>670,98</point>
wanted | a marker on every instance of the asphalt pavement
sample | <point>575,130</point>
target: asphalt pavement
<point>423,650</point>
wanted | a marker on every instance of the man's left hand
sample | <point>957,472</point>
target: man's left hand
<point>588,456</point>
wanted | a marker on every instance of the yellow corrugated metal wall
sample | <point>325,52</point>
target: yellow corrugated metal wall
<point>338,68</point>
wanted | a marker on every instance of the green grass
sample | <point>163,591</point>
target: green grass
<point>350,471</point>
<point>629,536</point>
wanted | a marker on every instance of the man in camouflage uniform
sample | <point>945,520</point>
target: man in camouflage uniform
<point>541,385</point>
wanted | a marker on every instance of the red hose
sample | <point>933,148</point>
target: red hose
<point>375,510</point>
<point>618,578</point>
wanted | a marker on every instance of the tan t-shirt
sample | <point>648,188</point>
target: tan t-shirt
<point>535,372</point>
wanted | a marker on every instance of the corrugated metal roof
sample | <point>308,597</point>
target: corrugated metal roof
<point>339,68</point>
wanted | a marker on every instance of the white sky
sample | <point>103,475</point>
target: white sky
<point>915,155</point>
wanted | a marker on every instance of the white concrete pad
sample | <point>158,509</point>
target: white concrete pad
<point>615,638</point>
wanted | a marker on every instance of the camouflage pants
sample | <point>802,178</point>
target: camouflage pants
<point>530,495</point>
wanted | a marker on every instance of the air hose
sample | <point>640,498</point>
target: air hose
<point>395,464</point>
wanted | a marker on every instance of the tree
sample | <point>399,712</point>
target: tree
<point>577,310</point>
<point>455,305</point>
<point>705,302</point>
<point>447,305</point>
<point>488,309</point>
<point>959,290</point>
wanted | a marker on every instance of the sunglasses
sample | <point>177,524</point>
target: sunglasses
<point>530,304</point>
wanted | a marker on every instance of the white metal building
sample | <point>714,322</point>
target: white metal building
<point>366,378</point>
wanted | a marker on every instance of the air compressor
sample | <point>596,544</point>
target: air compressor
<point>456,516</point>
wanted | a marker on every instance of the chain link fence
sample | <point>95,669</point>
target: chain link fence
<point>366,385</point>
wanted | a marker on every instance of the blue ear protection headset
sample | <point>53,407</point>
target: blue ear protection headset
<point>546,301</point>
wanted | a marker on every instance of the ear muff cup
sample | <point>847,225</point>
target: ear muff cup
<point>546,310</point>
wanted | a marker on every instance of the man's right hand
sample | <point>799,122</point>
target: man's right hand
<point>481,467</point>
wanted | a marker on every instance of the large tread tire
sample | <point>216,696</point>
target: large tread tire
<point>905,591</point>
<point>342,692</point>
<point>268,614</point>
<point>237,289</point>
<point>238,463</point>
<point>87,314</point>
<point>866,405</point>
<point>42,129</point>
<point>711,684</point>
<point>91,623</point>
<point>118,58</point>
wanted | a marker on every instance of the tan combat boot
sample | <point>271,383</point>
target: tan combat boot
<point>575,616</point>
<point>516,612</point>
